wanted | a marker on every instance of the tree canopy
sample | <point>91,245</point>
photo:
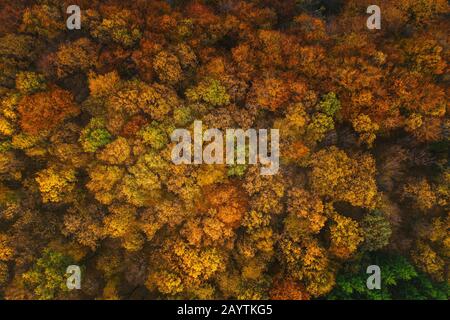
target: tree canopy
<point>86,175</point>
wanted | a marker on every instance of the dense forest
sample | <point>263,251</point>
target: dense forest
<point>86,176</point>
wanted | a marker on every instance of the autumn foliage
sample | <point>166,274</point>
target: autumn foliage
<point>86,175</point>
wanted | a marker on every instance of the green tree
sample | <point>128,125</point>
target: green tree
<point>94,135</point>
<point>47,278</point>
<point>399,280</point>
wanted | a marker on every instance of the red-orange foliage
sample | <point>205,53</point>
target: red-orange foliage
<point>46,110</point>
<point>229,201</point>
<point>288,290</point>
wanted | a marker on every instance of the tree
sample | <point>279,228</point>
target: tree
<point>420,193</point>
<point>307,214</point>
<point>94,135</point>
<point>103,85</point>
<point>345,235</point>
<point>155,135</point>
<point>320,124</point>
<point>17,52</point>
<point>45,111</point>
<point>159,100</point>
<point>121,223</point>
<point>288,290</point>
<point>86,166</point>
<point>266,192</point>
<point>400,280</point>
<point>209,91</point>
<point>185,269</point>
<point>363,125</point>
<point>336,175</point>
<point>320,280</point>
<point>424,11</point>
<point>167,67</point>
<point>4,273</point>
<point>83,221</point>
<point>270,93</point>
<point>43,20</point>
<point>30,82</point>
<point>103,181</point>
<point>78,56</point>
<point>429,261</point>
<point>330,104</point>
<point>119,27</point>
<point>6,252</point>
<point>228,203</point>
<point>55,184</point>
<point>47,277</point>
<point>377,231</point>
<point>116,152</point>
